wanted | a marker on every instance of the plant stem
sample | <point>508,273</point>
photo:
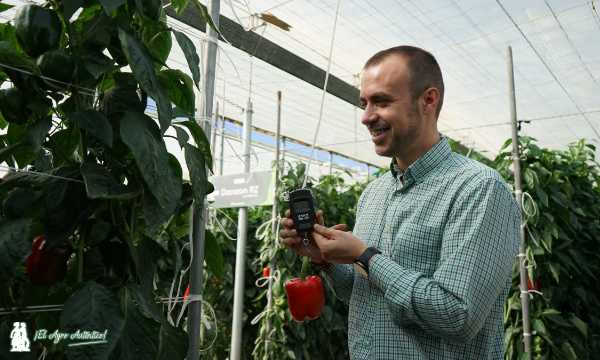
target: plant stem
<point>305,267</point>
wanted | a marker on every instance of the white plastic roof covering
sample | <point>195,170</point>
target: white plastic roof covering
<point>556,56</point>
<point>556,51</point>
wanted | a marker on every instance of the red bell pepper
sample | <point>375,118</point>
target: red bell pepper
<point>46,266</point>
<point>266,272</point>
<point>534,285</point>
<point>306,296</point>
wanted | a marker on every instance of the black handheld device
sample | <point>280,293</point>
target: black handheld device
<point>302,208</point>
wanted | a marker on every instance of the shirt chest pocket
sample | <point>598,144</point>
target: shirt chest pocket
<point>417,247</point>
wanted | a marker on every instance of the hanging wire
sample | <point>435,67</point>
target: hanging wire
<point>549,69</point>
<point>41,174</point>
<point>560,25</point>
<point>86,91</point>
<point>314,143</point>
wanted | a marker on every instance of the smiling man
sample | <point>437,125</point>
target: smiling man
<point>427,267</point>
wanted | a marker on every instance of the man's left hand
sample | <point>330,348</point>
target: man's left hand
<point>338,246</point>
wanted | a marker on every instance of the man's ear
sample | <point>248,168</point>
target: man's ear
<point>430,100</point>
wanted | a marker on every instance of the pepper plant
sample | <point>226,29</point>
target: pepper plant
<point>92,177</point>
<point>563,237</point>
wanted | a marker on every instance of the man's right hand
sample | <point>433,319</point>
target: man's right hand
<point>289,237</point>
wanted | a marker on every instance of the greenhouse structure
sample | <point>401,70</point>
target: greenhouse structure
<point>299,179</point>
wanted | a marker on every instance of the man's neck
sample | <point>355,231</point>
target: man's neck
<point>404,160</point>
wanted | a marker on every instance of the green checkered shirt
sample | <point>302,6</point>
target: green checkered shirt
<point>448,230</point>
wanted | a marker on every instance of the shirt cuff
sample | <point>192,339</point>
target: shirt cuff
<point>395,281</point>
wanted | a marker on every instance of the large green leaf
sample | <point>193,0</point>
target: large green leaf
<point>140,334</point>
<point>179,5</point>
<point>182,136</point>
<point>65,203</point>
<point>191,56</point>
<point>111,5</point>
<point>201,141</point>
<point>147,306</point>
<point>20,202</point>
<point>180,89</point>
<point>197,168</point>
<point>95,123</point>
<point>147,253</point>
<point>100,184</point>
<point>36,133</point>
<point>214,255</point>
<point>97,64</point>
<point>62,144</point>
<point>69,7</point>
<point>92,308</point>
<point>206,16</point>
<point>580,325</point>
<point>15,245</point>
<point>4,7</point>
<point>11,57</point>
<point>141,135</point>
<point>157,38</point>
<point>143,69</point>
<point>173,343</point>
<point>154,214</point>
<point>26,141</point>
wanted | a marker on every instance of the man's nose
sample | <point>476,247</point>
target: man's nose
<point>368,116</point>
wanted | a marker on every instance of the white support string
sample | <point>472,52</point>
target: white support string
<point>205,322</point>
<point>314,143</point>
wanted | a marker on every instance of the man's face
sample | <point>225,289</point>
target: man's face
<point>390,115</point>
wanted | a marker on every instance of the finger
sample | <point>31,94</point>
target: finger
<point>340,227</point>
<point>319,239</point>
<point>320,219</point>
<point>287,222</point>
<point>285,233</point>
<point>290,241</point>
<point>322,230</point>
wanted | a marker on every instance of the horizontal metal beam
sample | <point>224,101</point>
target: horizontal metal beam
<point>271,53</point>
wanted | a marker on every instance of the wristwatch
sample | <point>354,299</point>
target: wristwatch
<point>362,262</point>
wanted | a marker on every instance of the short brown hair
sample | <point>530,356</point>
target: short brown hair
<point>424,70</point>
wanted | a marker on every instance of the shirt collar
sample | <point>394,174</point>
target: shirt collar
<point>423,166</point>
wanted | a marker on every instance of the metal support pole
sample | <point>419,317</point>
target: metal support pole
<point>330,163</point>
<point>283,155</point>
<point>519,197</point>
<point>274,214</point>
<point>199,212</point>
<point>240,256</point>
<point>222,144</point>
<point>213,135</point>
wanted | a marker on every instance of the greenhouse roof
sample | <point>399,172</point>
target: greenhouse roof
<point>556,58</point>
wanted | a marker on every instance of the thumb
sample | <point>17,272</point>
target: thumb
<point>320,219</point>
<point>340,227</point>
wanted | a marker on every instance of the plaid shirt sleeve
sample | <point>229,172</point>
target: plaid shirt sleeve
<point>341,276</point>
<point>480,240</point>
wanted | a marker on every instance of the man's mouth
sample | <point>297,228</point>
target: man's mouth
<point>378,131</point>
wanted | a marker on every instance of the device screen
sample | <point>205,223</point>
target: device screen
<point>302,206</point>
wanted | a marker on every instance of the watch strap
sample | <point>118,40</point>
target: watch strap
<point>364,259</point>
